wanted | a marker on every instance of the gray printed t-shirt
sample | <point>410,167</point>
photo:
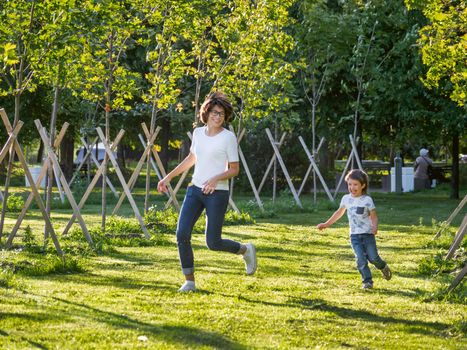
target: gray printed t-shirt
<point>358,212</point>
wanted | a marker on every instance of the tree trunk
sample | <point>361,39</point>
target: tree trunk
<point>121,156</point>
<point>50,171</point>
<point>164,141</point>
<point>66,153</point>
<point>455,167</point>
<point>40,153</point>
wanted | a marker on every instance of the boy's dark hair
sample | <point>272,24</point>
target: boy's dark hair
<point>360,176</point>
<point>215,99</point>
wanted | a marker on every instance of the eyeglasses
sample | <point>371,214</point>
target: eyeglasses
<point>217,114</point>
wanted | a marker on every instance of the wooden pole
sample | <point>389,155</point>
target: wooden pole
<point>284,168</point>
<point>451,217</point>
<point>122,181</point>
<point>93,183</point>
<point>312,161</point>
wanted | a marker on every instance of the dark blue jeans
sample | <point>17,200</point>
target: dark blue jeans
<point>193,204</point>
<point>364,247</point>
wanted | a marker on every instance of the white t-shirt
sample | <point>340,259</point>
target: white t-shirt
<point>358,212</point>
<point>213,155</point>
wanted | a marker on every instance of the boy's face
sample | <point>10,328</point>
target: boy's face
<point>355,187</point>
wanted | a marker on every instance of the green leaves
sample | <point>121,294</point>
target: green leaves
<point>444,47</point>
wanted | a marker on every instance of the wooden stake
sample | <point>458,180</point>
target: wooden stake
<point>67,190</point>
<point>25,167</point>
<point>315,167</point>
<point>139,166</point>
<point>93,183</point>
<point>284,169</point>
<point>451,217</point>
<point>122,181</point>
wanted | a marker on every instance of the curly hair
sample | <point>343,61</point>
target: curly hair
<point>360,176</point>
<point>215,99</point>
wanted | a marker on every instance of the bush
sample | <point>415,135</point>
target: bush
<point>53,264</point>
<point>234,218</point>
<point>14,203</point>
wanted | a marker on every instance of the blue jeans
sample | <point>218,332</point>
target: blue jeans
<point>364,247</point>
<point>193,204</point>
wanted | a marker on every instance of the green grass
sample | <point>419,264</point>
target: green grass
<point>306,293</point>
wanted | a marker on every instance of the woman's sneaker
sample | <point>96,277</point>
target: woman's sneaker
<point>250,259</point>
<point>188,286</point>
<point>386,271</point>
<point>367,285</point>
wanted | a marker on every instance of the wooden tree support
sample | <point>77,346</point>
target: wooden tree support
<point>153,163</point>
<point>315,168</point>
<point>43,172</point>
<point>457,238</point>
<point>458,279</point>
<point>122,180</point>
<point>310,167</point>
<point>180,180</point>
<point>353,154</point>
<point>53,157</point>
<point>284,168</point>
<point>451,217</point>
<point>88,148</point>
<point>454,246</point>
<point>247,171</point>
<point>93,183</point>
<point>271,163</point>
<point>134,176</point>
<point>90,153</point>
<point>13,141</point>
<point>161,167</point>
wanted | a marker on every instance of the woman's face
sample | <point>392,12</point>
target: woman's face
<point>216,117</point>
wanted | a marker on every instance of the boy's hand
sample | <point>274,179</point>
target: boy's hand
<point>321,226</point>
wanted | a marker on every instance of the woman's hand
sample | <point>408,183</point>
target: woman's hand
<point>162,185</point>
<point>321,226</point>
<point>210,186</point>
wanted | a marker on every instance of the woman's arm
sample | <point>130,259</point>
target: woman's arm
<point>374,221</point>
<point>210,185</point>
<point>334,217</point>
<point>186,164</point>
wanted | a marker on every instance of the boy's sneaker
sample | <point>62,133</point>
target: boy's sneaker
<point>367,285</point>
<point>188,286</point>
<point>250,259</point>
<point>386,271</point>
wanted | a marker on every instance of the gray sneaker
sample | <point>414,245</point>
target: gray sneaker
<point>188,286</point>
<point>386,271</point>
<point>250,259</point>
<point>367,285</point>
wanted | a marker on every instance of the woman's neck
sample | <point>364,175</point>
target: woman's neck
<point>213,131</point>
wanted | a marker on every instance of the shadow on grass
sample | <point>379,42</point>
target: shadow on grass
<point>122,282</point>
<point>181,335</point>
<point>412,326</point>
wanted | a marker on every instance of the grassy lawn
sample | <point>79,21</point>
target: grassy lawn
<point>305,294</point>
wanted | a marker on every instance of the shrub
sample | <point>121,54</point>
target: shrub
<point>14,203</point>
<point>234,218</point>
<point>53,264</point>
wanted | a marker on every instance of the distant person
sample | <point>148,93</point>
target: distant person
<point>363,223</point>
<point>214,153</point>
<point>421,176</point>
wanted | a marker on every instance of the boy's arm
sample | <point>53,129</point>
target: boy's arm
<point>374,221</point>
<point>334,217</point>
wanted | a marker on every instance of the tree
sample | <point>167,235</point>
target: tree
<point>27,30</point>
<point>444,46</point>
<point>168,60</point>
<point>107,82</point>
